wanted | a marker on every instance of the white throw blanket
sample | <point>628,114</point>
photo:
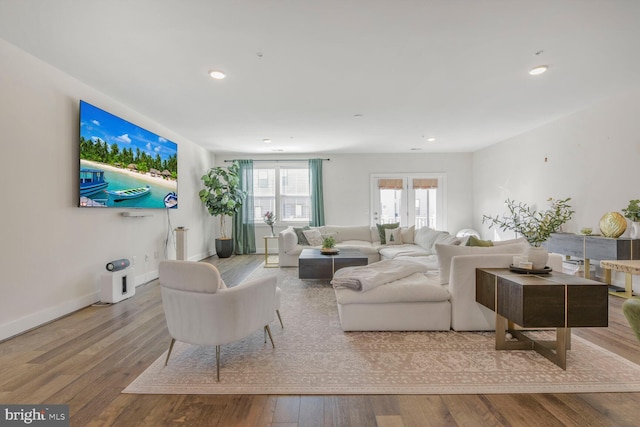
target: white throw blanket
<point>367,277</point>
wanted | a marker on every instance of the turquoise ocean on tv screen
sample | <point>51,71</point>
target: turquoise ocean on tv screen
<point>122,181</point>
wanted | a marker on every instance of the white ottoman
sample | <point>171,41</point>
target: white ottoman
<point>415,303</point>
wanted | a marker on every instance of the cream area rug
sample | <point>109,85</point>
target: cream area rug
<point>314,356</point>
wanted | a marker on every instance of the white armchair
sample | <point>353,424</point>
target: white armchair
<point>201,310</point>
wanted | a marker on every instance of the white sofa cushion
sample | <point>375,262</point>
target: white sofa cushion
<point>289,240</point>
<point>429,261</point>
<point>391,252</point>
<point>408,234</point>
<point>414,288</point>
<point>427,238</point>
<point>509,242</point>
<point>364,247</point>
<point>446,252</point>
<point>344,233</point>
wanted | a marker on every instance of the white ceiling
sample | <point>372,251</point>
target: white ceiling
<point>300,71</point>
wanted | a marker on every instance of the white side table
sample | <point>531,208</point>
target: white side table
<point>268,264</point>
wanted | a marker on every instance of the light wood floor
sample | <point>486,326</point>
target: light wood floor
<point>87,358</point>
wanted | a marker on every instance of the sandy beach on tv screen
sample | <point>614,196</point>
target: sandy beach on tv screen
<point>158,180</point>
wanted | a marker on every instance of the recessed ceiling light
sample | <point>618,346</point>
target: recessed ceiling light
<point>431,139</point>
<point>266,141</point>
<point>538,70</point>
<point>217,74</point>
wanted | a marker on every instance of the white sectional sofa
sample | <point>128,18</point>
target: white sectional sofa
<point>415,243</point>
<point>443,300</point>
<point>439,303</point>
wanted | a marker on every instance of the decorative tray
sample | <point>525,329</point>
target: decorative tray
<point>519,270</point>
<point>329,251</point>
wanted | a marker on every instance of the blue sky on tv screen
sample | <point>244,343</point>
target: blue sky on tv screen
<point>96,123</point>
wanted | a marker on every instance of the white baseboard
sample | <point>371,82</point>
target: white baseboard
<point>34,320</point>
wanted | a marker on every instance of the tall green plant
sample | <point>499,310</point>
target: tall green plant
<point>222,194</point>
<point>535,226</point>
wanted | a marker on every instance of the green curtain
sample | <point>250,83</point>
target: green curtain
<point>244,236</point>
<point>316,193</point>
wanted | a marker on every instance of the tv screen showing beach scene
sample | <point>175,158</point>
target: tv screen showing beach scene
<point>123,165</point>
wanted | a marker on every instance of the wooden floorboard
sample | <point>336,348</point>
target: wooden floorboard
<point>87,358</point>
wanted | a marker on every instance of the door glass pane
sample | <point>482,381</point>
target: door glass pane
<point>425,202</point>
<point>390,205</point>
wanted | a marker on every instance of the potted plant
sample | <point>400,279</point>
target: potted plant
<point>328,244</point>
<point>632,212</point>
<point>535,226</point>
<point>223,196</point>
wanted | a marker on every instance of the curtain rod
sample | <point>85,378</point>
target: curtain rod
<point>276,160</point>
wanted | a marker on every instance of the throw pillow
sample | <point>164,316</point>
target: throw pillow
<point>382,227</point>
<point>444,238</point>
<point>425,238</point>
<point>408,233</point>
<point>446,252</point>
<point>393,236</point>
<point>313,237</point>
<point>302,240</point>
<point>474,241</point>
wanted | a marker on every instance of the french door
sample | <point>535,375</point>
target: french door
<point>412,199</point>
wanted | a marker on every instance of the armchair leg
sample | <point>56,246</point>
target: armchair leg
<point>218,363</point>
<point>280,318</point>
<point>173,341</point>
<point>268,330</point>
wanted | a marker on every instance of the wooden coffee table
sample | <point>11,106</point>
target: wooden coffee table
<point>313,264</point>
<point>553,300</point>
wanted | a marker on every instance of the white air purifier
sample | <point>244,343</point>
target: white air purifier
<point>117,285</point>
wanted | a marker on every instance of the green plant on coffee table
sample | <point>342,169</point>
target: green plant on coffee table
<point>632,212</point>
<point>328,242</point>
<point>535,226</point>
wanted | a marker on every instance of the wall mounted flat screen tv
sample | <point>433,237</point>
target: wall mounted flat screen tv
<point>123,165</point>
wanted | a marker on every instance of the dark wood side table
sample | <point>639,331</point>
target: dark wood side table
<point>553,300</point>
<point>315,265</point>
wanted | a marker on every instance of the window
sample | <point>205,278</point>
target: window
<point>283,190</point>
<point>410,200</point>
<point>264,192</point>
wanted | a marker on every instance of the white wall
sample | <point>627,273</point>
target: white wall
<point>591,156</point>
<point>53,252</point>
<point>347,179</point>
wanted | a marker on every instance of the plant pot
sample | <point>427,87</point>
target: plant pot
<point>538,256</point>
<point>224,248</point>
<point>635,230</point>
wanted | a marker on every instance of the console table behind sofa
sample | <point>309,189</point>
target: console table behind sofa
<point>594,247</point>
